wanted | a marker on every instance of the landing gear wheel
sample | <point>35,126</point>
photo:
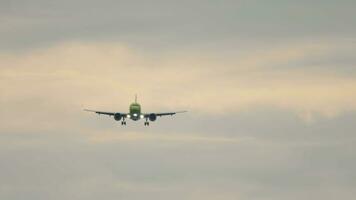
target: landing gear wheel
<point>147,123</point>
<point>123,123</point>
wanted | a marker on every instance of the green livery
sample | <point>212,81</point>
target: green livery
<point>135,110</point>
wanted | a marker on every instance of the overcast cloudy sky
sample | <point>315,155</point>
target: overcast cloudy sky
<point>270,87</point>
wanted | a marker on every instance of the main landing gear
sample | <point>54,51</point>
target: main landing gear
<point>123,123</point>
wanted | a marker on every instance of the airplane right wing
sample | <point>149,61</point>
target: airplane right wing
<point>107,113</point>
<point>100,112</point>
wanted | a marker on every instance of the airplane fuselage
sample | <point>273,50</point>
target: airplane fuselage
<point>135,111</point>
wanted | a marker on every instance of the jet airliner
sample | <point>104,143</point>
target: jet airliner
<point>134,114</point>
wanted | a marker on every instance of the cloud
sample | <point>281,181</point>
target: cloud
<point>246,71</point>
<point>167,137</point>
<point>161,24</point>
<point>57,82</point>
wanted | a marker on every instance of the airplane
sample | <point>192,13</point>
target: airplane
<point>134,114</point>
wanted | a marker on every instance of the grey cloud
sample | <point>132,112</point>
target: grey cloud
<point>171,24</point>
<point>264,168</point>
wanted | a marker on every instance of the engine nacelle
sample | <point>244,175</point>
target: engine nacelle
<point>117,116</point>
<point>152,117</point>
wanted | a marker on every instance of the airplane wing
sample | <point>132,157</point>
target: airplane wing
<point>165,113</point>
<point>104,113</point>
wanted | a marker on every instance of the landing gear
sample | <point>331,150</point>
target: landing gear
<point>123,123</point>
<point>146,122</point>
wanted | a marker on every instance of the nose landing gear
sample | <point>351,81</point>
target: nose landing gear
<point>147,123</point>
<point>123,123</point>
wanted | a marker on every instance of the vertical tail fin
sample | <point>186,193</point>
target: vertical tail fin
<point>135,98</point>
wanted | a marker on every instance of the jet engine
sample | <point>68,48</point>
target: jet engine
<point>152,117</point>
<point>117,116</point>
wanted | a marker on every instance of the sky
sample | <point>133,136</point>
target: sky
<point>270,88</point>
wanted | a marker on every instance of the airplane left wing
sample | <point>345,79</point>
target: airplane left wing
<point>165,113</point>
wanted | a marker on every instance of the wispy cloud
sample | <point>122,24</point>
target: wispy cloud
<point>113,137</point>
<point>106,75</point>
